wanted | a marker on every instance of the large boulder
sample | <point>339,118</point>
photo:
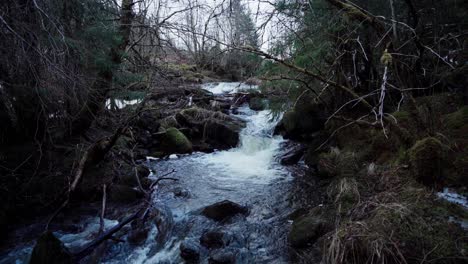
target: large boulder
<point>50,250</point>
<point>224,210</point>
<point>292,155</point>
<point>215,128</point>
<point>302,121</point>
<point>427,158</point>
<point>308,228</point>
<point>174,141</point>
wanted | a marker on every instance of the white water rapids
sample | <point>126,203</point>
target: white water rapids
<point>248,174</point>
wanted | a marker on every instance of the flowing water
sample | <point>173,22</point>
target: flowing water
<point>249,175</point>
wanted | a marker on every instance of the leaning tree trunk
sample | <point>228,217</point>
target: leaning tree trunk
<point>98,93</point>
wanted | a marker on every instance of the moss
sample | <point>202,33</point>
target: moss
<point>175,141</point>
<point>397,228</point>
<point>168,122</point>
<point>427,158</point>
<point>402,116</point>
<point>402,156</point>
<point>457,119</point>
<point>308,228</point>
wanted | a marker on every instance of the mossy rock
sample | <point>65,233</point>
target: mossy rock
<point>427,159</point>
<point>307,229</point>
<point>175,141</point>
<point>458,119</point>
<point>302,121</point>
<point>50,250</point>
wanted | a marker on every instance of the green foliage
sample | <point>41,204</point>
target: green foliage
<point>457,119</point>
<point>125,78</point>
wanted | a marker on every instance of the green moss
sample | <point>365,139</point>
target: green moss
<point>402,156</point>
<point>176,142</point>
<point>457,119</point>
<point>402,116</point>
<point>427,158</point>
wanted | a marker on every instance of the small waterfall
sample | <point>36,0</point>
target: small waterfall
<point>254,157</point>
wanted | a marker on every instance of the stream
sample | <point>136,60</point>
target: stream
<point>249,175</point>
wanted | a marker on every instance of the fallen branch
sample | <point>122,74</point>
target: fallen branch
<point>87,249</point>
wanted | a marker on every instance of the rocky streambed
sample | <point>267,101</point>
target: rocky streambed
<point>229,201</point>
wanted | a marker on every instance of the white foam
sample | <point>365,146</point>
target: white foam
<point>119,103</point>
<point>453,197</point>
<point>254,158</point>
<point>227,87</point>
<point>87,235</point>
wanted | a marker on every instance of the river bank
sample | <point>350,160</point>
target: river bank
<point>335,197</point>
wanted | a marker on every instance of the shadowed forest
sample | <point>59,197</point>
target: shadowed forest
<point>233,131</point>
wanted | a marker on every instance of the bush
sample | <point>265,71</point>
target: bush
<point>427,158</point>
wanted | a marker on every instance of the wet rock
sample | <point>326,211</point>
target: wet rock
<point>223,135</point>
<point>215,128</point>
<point>219,105</point>
<point>222,256</point>
<point>308,228</point>
<point>175,141</point>
<point>50,250</point>
<point>215,239</point>
<point>301,122</point>
<point>293,155</point>
<point>181,192</point>
<point>427,158</point>
<point>190,250</point>
<point>138,235</point>
<point>124,194</point>
<point>224,210</point>
<point>257,103</point>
